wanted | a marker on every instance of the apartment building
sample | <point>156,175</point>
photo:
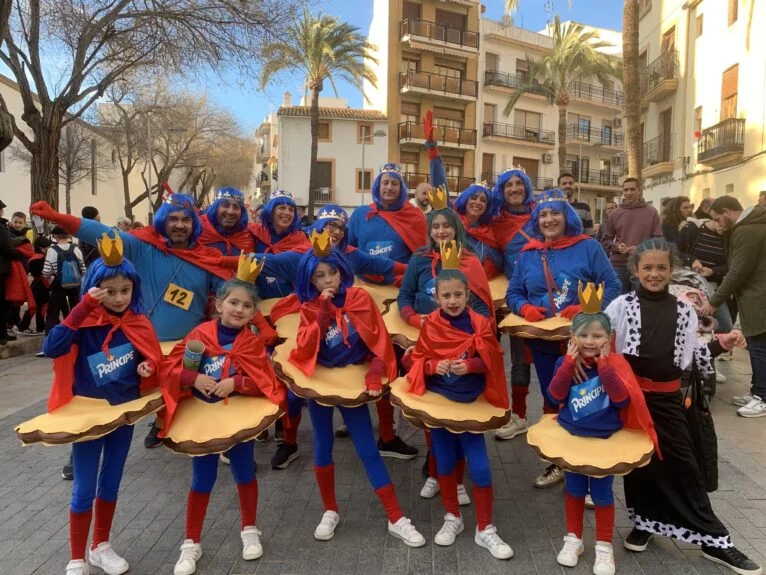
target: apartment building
<point>528,136</point>
<point>703,98</point>
<point>428,60</point>
<point>266,171</point>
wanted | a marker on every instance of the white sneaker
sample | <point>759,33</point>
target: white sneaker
<point>571,551</point>
<point>251,543</point>
<point>430,488</point>
<point>105,558</point>
<point>553,475</point>
<point>489,539</point>
<point>77,567</point>
<point>326,528</point>
<point>719,377</point>
<point>589,502</point>
<point>191,552</point>
<point>462,495</point>
<point>452,527</point>
<point>756,408</point>
<point>516,426</point>
<point>405,530</point>
<point>604,562</point>
<point>741,400</point>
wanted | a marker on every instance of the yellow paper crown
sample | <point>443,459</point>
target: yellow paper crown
<point>249,267</point>
<point>321,243</point>
<point>590,297</point>
<point>437,197</point>
<point>110,249</point>
<point>450,255</point>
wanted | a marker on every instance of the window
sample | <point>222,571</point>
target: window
<point>450,19</point>
<point>700,22</point>
<point>491,61</point>
<point>729,189</point>
<point>409,65</point>
<point>409,161</point>
<point>448,72</point>
<point>363,180</point>
<point>448,118</point>
<point>325,131</point>
<point>522,69</point>
<point>364,132</point>
<point>729,89</point>
<point>733,11</point>
<point>489,113</point>
<point>411,10</point>
<point>453,166</point>
<point>410,112</point>
<point>698,119</point>
<point>529,120</point>
<point>488,167</point>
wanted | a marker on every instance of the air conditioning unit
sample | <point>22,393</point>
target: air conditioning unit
<point>618,122</point>
<point>547,158</point>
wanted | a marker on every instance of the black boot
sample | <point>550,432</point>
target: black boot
<point>732,558</point>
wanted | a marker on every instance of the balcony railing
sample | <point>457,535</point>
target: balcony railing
<point>438,83</point>
<point>534,135</point>
<point>444,136</point>
<point>663,68</point>
<point>439,32</point>
<point>324,196</point>
<point>597,94</point>
<point>596,136</point>
<point>596,177</point>
<point>497,78</point>
<point>537,182</point>
<point>455,184</point>
<point>658,150</point>
<point>727,137</point>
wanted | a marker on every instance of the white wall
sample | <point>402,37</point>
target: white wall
<point>379,38</point>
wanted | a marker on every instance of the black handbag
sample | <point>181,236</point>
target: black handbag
<point>704,438</point>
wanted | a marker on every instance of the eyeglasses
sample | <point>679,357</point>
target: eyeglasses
<point>335,227</point>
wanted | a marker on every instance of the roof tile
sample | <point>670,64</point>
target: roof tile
<point>332,113</point>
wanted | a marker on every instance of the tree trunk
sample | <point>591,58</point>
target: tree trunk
<point>631,86</point>
<point>44,168</point>
<point>68,191</point>
<point>126,195</point>
<point>315,89</point>
<point>562,138</point>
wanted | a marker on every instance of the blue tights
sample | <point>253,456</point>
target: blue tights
<point>294,404</point>
<point>205,467</point>
<point>446,447</point>
<point>600,488</point>
<point>544,355</point>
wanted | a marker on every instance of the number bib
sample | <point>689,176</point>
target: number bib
<point>178,296</point>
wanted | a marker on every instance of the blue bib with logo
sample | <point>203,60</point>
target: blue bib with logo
<point>380,248</point>
<point>213,365</point>
<point>587,399</point>
<point>121,365</point>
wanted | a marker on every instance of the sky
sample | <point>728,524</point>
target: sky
<point>251,106</point>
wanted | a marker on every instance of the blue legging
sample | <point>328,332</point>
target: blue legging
<point>446,447</point>
<point>359,425</point>
<point>294,404</point>
<point>600,487</point>
<point>544,355</point>
<point>205,467</point>
<point>85,459</point>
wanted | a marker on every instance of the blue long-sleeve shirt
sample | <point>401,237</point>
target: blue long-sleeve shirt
<point>484,251</point>
<point>511,253</point>
<point>95,375</point>
<point>584,261</point>
<point>418,289</point>
<point>376,237</point>
<point>161,274</point>
<point>333,351</point>
<point>271,285</point>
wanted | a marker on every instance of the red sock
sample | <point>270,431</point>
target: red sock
<point>102,525</point>
<point>79,525</point>
<point>460,470</point>
<point>390,503</point>
<point>604,523</point>
<point>448,490</point>
<point>385,419</point>
<point>575,509</point>
<point>326,482</point>
<point>519,400</point>
<point>196,507</point>
<point>248,502</point>
<point>482,499</point>
<point>291,425</point>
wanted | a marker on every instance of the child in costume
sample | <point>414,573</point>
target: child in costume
<point>458,356</point>
<point>340,325</point>
<point>234,362</point>
<point>104,349</point>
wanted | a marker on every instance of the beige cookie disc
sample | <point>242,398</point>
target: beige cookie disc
<point>382,295</point>
<point>395,325</point>
<point>552,328</point>
<point>497,287</point>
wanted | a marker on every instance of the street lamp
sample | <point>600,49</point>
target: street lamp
<point>365,137</point>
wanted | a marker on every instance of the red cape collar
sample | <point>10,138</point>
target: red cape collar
<point>561,243</point>
<point>242,240</point>
<point>409,222</point>
<point>506,225</point>
<point>292,242</point>
<point>482,232</point>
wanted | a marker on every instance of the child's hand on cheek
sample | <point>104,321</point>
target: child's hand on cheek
<point>573,348</point>
<point>98,293</point>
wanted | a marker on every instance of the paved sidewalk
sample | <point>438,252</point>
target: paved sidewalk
<point>149,524</point>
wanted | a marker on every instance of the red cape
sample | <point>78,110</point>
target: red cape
<point>293,242</point>
<point>243,240</point>
<point>561,243</point>
<point>201,256</point>
<point>247,356</point>
<point>439,340</point>
<point>140,334</point>
<point>409,222</point>
<point>366,320</point>
<point>474,271</point>
<point>17,289</point>
<point>285,306</point>
<point>482,232</point>
<point>506,225</point>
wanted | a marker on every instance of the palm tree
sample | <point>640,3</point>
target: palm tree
<point>320,48</point>
<point>574,56</point>
<point>631,85</point>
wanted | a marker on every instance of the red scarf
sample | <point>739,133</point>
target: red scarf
<point>292,242</point>
<point>440,340</point>
<point>559,244</point>
<point>482,232</point>
<point>140,334</point>
<point>366,320</point>
<point>408,222</point>
<point>473,271</point>
<point>247,356</point>
<point>506,225</point>
<point>201,256</point>
<point>242,240</point>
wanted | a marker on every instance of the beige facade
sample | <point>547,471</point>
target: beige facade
<point>703,98</point>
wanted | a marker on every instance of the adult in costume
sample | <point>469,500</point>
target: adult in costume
<point>476,210</point>
<point>545,280</point>
<point>656,334</point>
<point>224,224</point>
<point>105,349</point>
<point>340,325</point>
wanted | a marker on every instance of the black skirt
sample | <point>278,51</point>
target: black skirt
<point>668,497</point>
